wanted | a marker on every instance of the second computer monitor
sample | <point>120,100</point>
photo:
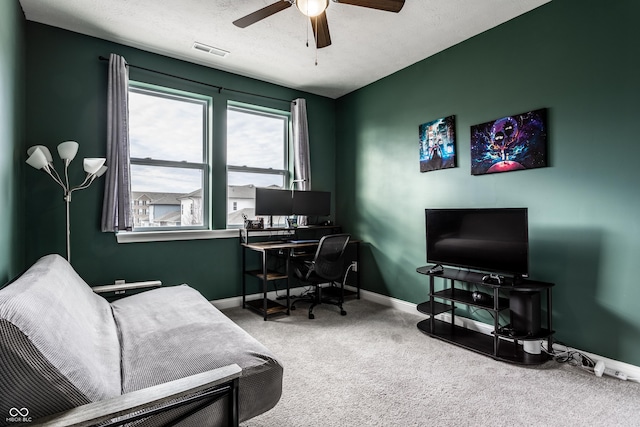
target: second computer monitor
<point>312,203</point>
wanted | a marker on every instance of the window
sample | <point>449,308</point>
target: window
<point>257,156</point>
<point>168,135</point>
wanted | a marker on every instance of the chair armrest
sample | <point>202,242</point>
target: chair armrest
<point>96,412</point>
<point>121,288</point>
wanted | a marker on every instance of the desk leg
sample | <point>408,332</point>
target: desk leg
<point>288,271</point>
<point>244,277</point>
<point>264,283</point>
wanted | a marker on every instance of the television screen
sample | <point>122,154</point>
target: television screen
<point>273,202</point>
<point>493,240</point>
<point>312,203</point>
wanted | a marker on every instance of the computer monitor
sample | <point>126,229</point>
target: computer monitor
<point>273,202</point>
<point>312,203</point>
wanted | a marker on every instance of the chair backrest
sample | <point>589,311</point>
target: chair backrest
<point>328,262</point>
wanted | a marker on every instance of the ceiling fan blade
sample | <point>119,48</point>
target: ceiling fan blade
<point>258,15</point>
<point>321,30</point>
<point>386,5</point>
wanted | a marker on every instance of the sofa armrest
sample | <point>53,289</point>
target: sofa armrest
<point>121,289</point>
<point>105,410</point>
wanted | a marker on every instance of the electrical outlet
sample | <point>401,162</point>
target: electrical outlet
<point>354,266</point>
<point>119,282</point>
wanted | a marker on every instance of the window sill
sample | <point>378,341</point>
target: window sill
<point>168,236</point>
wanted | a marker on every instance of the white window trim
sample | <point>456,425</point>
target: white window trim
<point>205,167</point>
<point>174,235</point>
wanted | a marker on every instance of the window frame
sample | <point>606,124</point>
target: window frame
<point>215,186</point>
<point>205,167</point>
<point>286,173</point>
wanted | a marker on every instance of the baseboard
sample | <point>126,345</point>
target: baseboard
<point>632,371</point>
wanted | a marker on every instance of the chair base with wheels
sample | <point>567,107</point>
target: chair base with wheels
<point>327,266</point>
<point>323,295</point>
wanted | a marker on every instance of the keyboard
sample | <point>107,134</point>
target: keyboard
<point>295,242</point>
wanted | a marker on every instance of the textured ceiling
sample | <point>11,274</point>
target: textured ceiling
<point>367,44</point>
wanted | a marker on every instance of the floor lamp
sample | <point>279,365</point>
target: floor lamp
<point>40,158</point>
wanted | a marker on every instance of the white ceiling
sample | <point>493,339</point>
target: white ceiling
<point>367,44</point>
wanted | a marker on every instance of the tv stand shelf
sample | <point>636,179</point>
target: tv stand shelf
<point>505,343</point>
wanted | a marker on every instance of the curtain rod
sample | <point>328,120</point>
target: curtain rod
<point>220,88</point>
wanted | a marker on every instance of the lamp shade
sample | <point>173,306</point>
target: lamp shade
<point>68,150</point>
<point>37,159</point>
<point>93,165</point>
<point>44,149</point>
<point>312,8</point>
<point>101,171</point>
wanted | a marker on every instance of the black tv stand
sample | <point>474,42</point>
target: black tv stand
<point>506,343</point>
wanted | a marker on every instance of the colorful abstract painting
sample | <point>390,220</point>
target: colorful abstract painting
<point>437,141</point>
<point>511,143</point>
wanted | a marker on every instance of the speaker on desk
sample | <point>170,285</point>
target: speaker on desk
<point>525,312</point>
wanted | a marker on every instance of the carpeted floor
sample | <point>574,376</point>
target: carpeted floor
<point>373,367</point>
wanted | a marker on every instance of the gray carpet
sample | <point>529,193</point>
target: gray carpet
<point>373,367</point>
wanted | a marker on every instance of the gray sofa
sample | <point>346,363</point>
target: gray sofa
<point>63,346</point>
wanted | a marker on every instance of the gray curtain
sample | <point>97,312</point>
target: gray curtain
<point>301,162</point>
<point>116,207</point>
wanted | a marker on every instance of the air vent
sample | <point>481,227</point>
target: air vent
<point>210,49</point>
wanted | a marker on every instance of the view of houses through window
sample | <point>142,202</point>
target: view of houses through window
<point>169,168</point>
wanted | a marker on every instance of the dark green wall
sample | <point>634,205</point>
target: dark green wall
<point>66,100</point>
<point>579,62</point>
<point>11,127</point>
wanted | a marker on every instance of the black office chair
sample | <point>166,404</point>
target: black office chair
<point>327,266</point>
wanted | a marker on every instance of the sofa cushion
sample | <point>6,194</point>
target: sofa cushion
<point>59,344</point>
<point>172,332</point>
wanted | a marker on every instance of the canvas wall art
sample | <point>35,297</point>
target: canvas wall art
<point>510,143</point>
<point>437,141</point>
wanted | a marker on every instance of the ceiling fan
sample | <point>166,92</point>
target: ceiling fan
<point>316,11</point>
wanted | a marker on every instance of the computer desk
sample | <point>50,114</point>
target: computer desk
<point>288,251</point>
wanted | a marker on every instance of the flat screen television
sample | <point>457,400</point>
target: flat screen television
<point>273,202</point>
<point>312,203</point>
<point>492,240</point>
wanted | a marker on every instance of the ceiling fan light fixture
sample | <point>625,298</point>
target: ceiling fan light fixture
<point>312,8</point>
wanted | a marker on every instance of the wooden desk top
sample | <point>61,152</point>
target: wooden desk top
<point>268,246</point>
<point>274,245</point>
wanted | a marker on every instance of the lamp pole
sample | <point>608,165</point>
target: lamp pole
<point>67,200</point>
